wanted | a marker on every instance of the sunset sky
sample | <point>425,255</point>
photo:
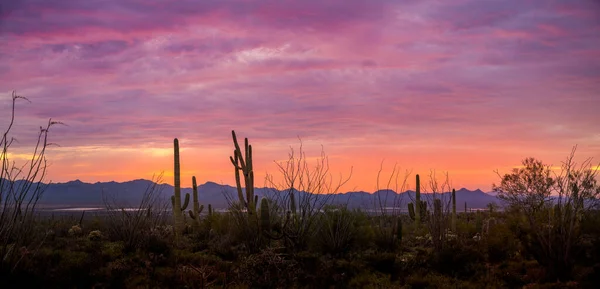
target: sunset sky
<point>466,87</point>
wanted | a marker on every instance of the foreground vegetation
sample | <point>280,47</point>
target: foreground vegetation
<point>548,236</point>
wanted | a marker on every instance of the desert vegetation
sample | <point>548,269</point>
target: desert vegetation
<point>546,236</point>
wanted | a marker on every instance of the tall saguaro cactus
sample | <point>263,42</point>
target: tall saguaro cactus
<point>176,198</point>
<point>453,210</point>
<point>243,164</point>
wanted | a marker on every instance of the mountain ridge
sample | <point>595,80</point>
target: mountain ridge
<point>77,193</point>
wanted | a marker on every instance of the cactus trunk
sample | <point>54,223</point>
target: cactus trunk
<point>411,211</point>
<point>243,164</point>
<point>453,210</point>
<point>197,208</point>
<point>418,201</point>
<point>265,218</point>
<point>176,200</point>
<point>399,230</point>
<point>293,203</point>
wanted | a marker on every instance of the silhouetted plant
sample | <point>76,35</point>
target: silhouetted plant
<point>551,206</point>
<point>439,222</point>
<point>386,220</point>
<point>338,231</point>
<point>21,187</point>
<point>178,208</point>
<point>133,226</point>
<point>303,192</point>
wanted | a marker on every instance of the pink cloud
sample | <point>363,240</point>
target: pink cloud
<point>508,75</point>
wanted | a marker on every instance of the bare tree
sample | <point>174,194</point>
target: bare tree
<point>21,187</point>
<point>552,206</point>
<point>439,199</point>
<point>302,194</point>
<point>386,222</point>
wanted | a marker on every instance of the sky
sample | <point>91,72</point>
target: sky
<point>465,87</point>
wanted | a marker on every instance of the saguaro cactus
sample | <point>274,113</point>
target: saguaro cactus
<point>419,211</point>
<point>197,208</point>
<point>437,208</point>
<point>265,217</point>
<point>399,229</point>
<point>243,163</point>
<point>423,214</point>
<point>293,203</point>
<point>411,211</point>
<point>418,201</point>
<point>453,210</point>
<point>176,198</point>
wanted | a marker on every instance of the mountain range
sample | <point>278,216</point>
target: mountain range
<point>129,194</point>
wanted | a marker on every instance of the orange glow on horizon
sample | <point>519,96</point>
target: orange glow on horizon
<point>470,170</point>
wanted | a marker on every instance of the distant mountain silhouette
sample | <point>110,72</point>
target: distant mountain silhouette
<point>80,194</point>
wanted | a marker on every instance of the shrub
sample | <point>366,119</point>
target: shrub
<point>267,269</point>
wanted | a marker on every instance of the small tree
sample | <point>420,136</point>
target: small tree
<point>551,207</point>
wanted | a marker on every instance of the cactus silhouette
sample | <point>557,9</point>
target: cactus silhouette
<point>265,217</point>
<point>437,208</point>
<point>176,198</point>
<point>453,210</point>
<point>293,203</point>
<point>197,208</point>
<point>399,230</point>
<point>243,164</point>
<point>423,214</point>
<point>418,201</point>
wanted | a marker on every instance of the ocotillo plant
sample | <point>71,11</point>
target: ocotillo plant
<point>453,210</point>
<point>465,207</point>
<point>243,163</point>
<point>197,208</point>
<point>176,198</point>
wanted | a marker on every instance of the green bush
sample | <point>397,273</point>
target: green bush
<point>500,243</point>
